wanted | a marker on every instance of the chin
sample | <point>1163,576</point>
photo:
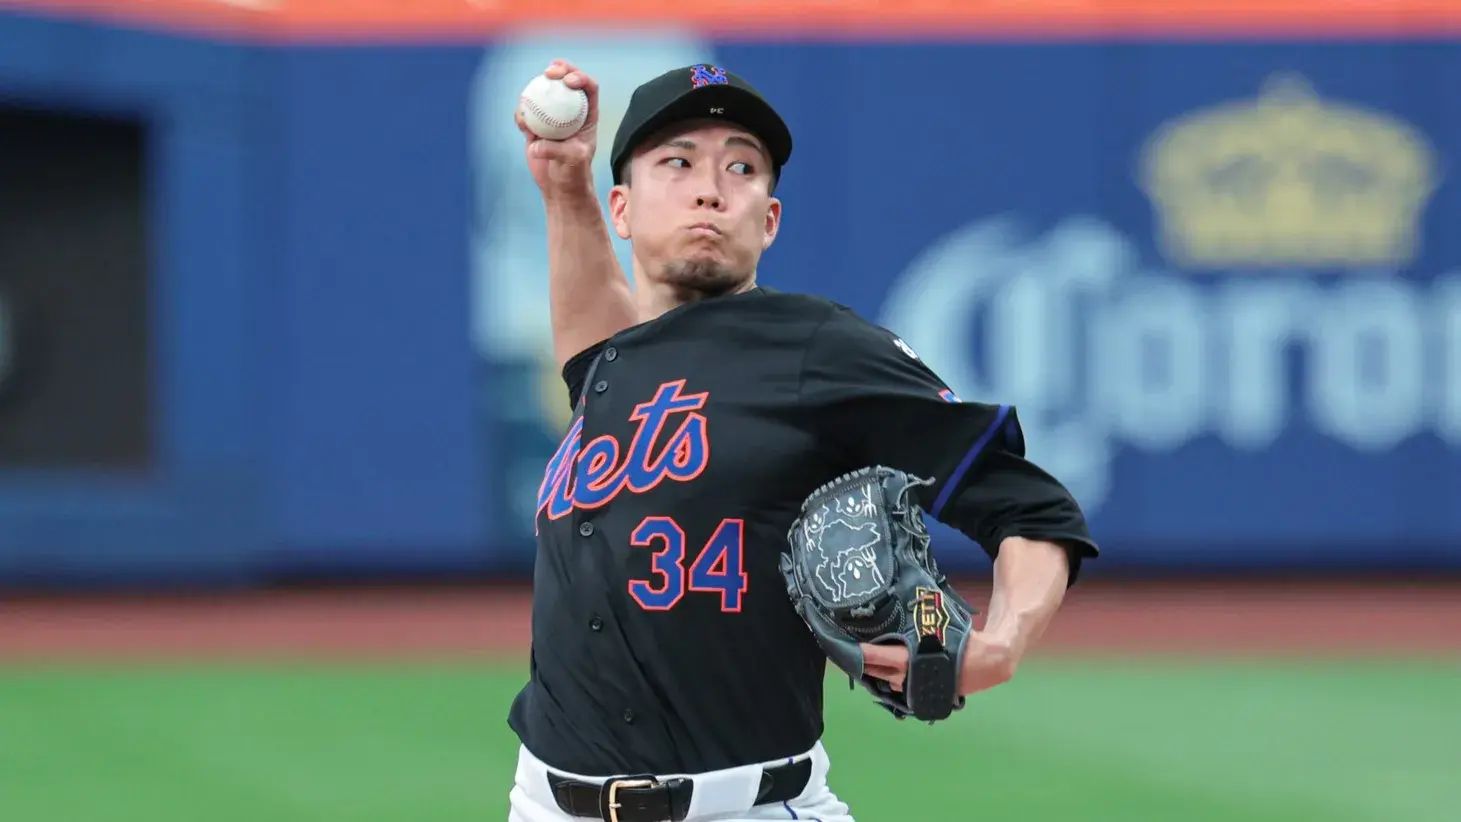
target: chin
<point>704,277</point>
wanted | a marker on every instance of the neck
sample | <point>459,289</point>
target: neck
<point>652,300</point>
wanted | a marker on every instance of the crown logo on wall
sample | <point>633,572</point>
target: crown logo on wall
<point>1288,179</point>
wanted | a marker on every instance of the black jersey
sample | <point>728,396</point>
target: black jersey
<point>663,638</point>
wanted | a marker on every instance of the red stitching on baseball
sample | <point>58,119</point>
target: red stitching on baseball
<point>543,115</point>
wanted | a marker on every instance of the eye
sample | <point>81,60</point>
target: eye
<point>671,161</point>
<point>742,168</point>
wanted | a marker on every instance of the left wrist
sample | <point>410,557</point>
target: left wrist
<point>1002,631</point>
<point>989,660</point>
<point>1004,643</point>
<point>1008,646</point>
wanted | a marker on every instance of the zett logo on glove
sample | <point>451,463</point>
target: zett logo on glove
<point>929,613</point>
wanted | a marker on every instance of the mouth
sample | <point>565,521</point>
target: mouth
<point>708,229</point>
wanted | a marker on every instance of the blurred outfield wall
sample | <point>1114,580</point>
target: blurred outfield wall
<point>273,299</point>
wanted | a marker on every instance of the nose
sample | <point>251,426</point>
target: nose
<point>707,189</point>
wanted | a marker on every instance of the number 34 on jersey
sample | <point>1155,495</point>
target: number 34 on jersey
<point>717,567</point>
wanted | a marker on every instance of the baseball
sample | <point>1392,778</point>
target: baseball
<point>551,109</point>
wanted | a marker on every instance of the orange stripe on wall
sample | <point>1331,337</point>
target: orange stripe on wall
<point>468,19</point>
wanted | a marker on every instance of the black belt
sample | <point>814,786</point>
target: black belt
<point>646,799</point>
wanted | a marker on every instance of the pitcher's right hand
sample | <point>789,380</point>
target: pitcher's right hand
<point>565,167</point>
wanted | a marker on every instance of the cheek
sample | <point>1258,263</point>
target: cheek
<point>754,228</point>
<point>649,224</point>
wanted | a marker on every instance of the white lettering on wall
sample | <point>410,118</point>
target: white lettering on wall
<point>1366,371</point>
<point>1097,353</point>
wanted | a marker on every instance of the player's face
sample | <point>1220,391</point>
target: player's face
<point>698,208</point>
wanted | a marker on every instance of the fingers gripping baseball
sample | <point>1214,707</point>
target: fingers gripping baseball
<point>558,113</point>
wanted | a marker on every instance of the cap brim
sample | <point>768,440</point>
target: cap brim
<point>725,102</point>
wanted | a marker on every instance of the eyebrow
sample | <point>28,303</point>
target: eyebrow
<point>737,140</point>
<point>734,140</point>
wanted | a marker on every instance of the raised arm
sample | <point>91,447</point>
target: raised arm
<point>588,295</point>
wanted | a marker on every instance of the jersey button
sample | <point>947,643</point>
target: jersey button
<point>628,716</point>
<point>600,387</point>
<point>611,354</point>
<point>586,529</point>
<point>596,624</point>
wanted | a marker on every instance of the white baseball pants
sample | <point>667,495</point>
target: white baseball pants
<point>722,796</point>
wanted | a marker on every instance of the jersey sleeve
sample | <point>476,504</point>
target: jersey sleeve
<point>877,403</point>
<point>575,372</point>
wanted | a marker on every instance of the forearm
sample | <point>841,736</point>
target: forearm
<point>588,296</point>
<point>1030,580</point>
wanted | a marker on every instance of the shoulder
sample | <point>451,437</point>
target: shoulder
<point>835,329</point>
<point>847,348</point>
<point>843,329</point>
<point>829,316</point>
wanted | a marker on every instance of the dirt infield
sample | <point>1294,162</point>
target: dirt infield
<point>1245,619</point>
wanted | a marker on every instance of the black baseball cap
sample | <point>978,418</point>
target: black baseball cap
<point>701,91</point>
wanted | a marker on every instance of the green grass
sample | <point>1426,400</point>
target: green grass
<point>1073,742</point>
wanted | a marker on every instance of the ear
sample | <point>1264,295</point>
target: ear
<point>773,223</point>
<point>619,210</point>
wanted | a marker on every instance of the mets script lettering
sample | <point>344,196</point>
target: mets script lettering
<point>591,476</point>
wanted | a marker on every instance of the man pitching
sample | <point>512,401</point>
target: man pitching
<point>671,677</point>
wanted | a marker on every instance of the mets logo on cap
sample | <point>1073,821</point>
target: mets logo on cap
<point>704,75</point>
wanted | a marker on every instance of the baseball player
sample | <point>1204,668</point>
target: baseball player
<point>671,676</point>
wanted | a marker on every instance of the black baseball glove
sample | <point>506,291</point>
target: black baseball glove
<point>859,570</point>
